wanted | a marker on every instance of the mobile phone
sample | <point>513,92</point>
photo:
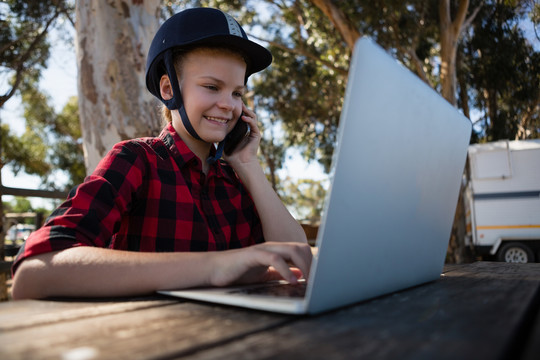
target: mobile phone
<point>237,134</point>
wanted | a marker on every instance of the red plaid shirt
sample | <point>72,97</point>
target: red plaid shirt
<point>150,194</point>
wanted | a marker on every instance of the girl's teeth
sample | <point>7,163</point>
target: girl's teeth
<point>217,119</point>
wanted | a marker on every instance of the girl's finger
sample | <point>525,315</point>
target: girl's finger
<point>298,255</point>
<point>277,262</point>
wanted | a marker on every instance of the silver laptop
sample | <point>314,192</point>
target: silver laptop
<point>395,181</point>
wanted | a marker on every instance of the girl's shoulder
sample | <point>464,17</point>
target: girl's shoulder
<point>145,146</point>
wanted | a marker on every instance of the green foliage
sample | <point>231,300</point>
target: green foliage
<point>24,49</point>
<point>408,29</point>
<point>66,151</point>
<point>18,205</point>
<point>305,85</point>
<point>23,205</point>
<point>26,152</point>
<point>302,92</point>
<point>50,141</point>
<point>504,74</point>
<point>54,141</point>
<point>304,198</point>
<point>534,16</point>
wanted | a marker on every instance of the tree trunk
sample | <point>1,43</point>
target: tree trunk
<point>450,32</point>
<point>463,87</point>
<point>113,38</point>
<point>496,129</point>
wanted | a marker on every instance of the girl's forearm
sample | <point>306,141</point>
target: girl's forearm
<point>97,272</point>
<point>278,224</point>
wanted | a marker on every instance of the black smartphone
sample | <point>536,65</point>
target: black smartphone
<point>235,137</point>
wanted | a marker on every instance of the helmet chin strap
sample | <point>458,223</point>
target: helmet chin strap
<point>177,103</point>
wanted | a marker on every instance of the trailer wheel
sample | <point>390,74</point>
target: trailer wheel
<point>515,253</point>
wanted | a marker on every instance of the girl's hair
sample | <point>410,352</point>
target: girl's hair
<point>180,54</point>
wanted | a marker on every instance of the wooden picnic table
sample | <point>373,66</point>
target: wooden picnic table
<point>484,310</point>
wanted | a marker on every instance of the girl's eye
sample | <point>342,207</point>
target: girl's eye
<point>211,87</point>
<point>238,94</point>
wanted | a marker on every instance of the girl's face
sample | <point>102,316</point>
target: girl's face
<point>212,85</point>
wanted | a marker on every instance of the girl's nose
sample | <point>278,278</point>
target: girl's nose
<point>226,103</point>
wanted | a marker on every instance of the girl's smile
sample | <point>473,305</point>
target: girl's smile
<point>217,119</point>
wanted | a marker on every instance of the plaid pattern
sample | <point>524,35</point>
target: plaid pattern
<point>150,194</point>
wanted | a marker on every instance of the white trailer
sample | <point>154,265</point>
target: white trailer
<point>503,200</point>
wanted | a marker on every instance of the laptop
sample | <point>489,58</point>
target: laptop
<point>395,180</point>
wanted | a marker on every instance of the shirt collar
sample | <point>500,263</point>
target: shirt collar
<point>185,157</point>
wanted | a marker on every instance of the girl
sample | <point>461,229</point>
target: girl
<point>156,210</point>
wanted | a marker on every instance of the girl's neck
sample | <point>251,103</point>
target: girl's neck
<point>200,148</point>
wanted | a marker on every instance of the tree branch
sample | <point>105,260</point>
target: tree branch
<point>457,24</point>
<point>341,22</point>
<point>26,55</point>
<point>471,18</point>
<point>418,65</point>
<point>307,54</point>
<point>444,14</point>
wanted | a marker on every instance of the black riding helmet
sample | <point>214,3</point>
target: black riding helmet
<point>191,28</point>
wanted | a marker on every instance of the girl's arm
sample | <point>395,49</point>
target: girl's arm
<point>97,272</point>
<point>278,224</point>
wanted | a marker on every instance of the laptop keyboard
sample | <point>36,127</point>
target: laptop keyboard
<point>275,289</point>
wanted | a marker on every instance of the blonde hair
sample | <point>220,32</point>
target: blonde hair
<point>180,54</point>
<point>166,114</point>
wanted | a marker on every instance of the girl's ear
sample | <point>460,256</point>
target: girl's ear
<point>165,88</point>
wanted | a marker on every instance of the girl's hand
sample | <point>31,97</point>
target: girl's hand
<point>260,263</point>
<point>246,151</point>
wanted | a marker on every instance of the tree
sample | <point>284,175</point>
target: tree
<point>534,15</point>
<point>51,142</point>
<point>25,51</point>
<point>305,85</point>
<point>67,147</point>
<point>113,38</point>
<point>24,47</point>
<point>272,151</point>
<point>450,33</point>
<point>28,152</point>
<point>502,72</point>
<point>340,20</point>
<point>305,198</point>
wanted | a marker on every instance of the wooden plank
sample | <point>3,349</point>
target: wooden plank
<point>52,194</point>
<point>156,332</point>
<point>451,267</point>
<point>20,215</point>
<point>5,266</point>
<point>473,312</point>
<point>21,314</point>
<point>531,350</point>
